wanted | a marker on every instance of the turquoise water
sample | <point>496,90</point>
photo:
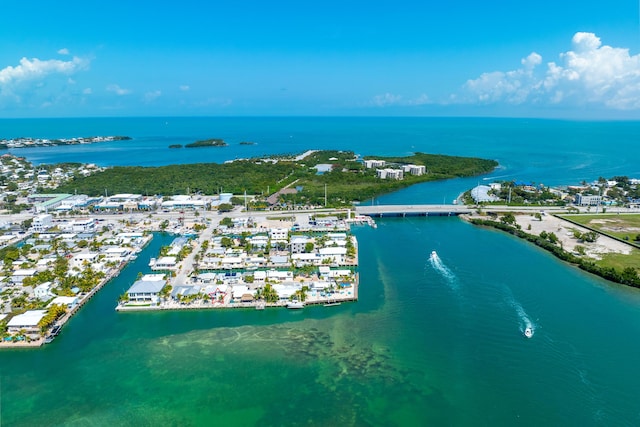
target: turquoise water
<point>432,341</point>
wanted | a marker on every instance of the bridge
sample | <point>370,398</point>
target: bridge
<point>380,211</point>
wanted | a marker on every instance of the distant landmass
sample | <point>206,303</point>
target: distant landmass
<point>175,146</point>
<point>23,142</point>
<point>247,143</point>
<point>212,142</point>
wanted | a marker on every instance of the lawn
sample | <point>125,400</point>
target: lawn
<point>620,261</point>
<point>622,226</point>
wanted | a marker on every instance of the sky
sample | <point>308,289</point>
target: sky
<point>551,59</point>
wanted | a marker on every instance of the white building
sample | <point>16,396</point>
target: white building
<point>164,263</point>
<point>28,321</point>
<point>278,234</point>
<point>371,164</point>
<point>390,174</point>
<point>590,200</point>
<point>43,291</point>
<point>42,223</point>
<point>335,254</point>
<point>298,244</point>
<point>147,289</point>
<point>69,302</point>
<point>414,169</point>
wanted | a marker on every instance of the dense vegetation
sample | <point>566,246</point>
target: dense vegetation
<point>207,178</point>
<point>627,276</point>
<point>212,142</point>
<point>347,181</point>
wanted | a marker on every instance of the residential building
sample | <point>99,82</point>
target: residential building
<point>147,289</point>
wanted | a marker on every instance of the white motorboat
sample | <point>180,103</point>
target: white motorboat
<point>433,254</point>
<point>295,304</point>
<point>528,332</point>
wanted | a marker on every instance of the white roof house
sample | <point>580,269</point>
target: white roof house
<point>147,289</point>
<point>165,263</point>
<point>69,302</point>
<point>28,321</point>
<point>19,275</point>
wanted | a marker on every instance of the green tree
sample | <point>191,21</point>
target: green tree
<point>226,242</point>
<point>226,221</point>
<point>508,218</point>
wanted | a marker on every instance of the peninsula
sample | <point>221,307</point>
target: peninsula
<point>43,142</point>
<point>326,178</point>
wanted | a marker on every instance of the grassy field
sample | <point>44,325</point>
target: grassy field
<point>622,226</point>
<point>621,261</point>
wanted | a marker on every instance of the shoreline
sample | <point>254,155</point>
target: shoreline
<point>567,247</point>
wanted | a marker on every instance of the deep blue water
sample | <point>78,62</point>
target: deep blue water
<point>432,341</point>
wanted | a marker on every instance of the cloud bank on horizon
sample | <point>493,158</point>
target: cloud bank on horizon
<point>590,73</point>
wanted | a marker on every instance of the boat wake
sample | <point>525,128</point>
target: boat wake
<point>527,327</point>
<point>444,271</point>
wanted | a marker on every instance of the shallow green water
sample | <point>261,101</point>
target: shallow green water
<point>431,342</point>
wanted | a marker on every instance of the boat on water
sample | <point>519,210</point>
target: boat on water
<point>49,339</point>
<point>295,304</point>
<point>331,303</point>
<point>528,332</point>
<point>434,254</point>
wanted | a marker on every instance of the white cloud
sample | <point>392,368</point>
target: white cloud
<point>184,88</point>
<point>385,99</point>
<point>64,51</point>
<point>389,99</point>
<point>152,96</point>
<point>590,73</point>
<point>87,91</point>
<point>118,90</point>
<point>33,69</point>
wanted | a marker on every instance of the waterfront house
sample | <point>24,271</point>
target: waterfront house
<point>69,302</point>
<point>180,292</point>
<point>164,263</point>
<point>298,244</point>
<point>312,258</point>
<point>27,322</point>
<point>147,289</point>
<point>259,276</point>
<point>279,261</point>
<point>335,254</point>
<point>279,275</point>
<point>278,234</point>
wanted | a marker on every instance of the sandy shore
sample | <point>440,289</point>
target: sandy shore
<point>564,231</point>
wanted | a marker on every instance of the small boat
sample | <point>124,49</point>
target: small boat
<point>48,339</point>
<point>434,254</point>
<point>295,304</point>
<point>331,303</point>
<point>528,332</point>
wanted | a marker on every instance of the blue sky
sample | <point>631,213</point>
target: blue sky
<point>572,59</point>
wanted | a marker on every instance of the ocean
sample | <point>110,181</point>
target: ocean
<point>433,340</point>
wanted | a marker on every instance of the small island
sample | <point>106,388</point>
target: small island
<point>212,142</point>
<point>247,143</point>
<point>175,146</point>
